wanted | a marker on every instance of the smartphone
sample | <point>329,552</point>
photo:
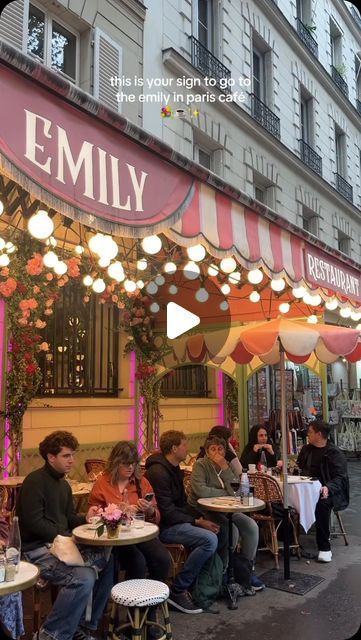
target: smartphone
<point>149,497</point>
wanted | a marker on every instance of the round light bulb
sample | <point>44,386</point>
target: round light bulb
<point>60,268</point>
<point>228,265</point>
<point>234,278</point>
<point>130,286</point>
<point>1,207</point>
<point>191,270</point>
<point>51,242</point>
<point>108,248</point>
<point>224,305</point>
<point>358,327</point>
<point>142,264</point>
<point>116,271</point>
<point>254,296</point>
<point>355,316</point>
<point>278,284</point>
<point>151,288</point>
<point>151,244</point>
<point>159,280</point>
<point>284,307</point>
<point>331,304</point>
<point>79,249</point>
<point>10,247</point>
<point>312,319</point>
<point>307,298</point>
<point>154,307</point>
<point>98,285</point>
<point>345,312</point>
<point>40,226</point>
<point>2,244</point>
<point>196,253</point>
<point>226,289</point>
<point>298,292</point>
<point>140,284</point>
<point>173,290</point>
<point>213,270</point>
<point>4,260</point>
<point>50,259</point>
<point>95,243</point>
<point>202,295</point>
<point>255,276</point>
<point>88,281</point>
<point>170,267</point>
<point>103,262</point>
<point>316,300</point>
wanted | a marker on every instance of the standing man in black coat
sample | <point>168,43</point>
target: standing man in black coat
<point>323,460</point>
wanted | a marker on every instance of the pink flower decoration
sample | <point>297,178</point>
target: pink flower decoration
<point>48,312</point>
<point>279,464</point>
<point>34,266</point>
<point>44,346</point>
<point>49,277</point>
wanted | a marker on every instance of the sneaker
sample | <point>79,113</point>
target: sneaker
<point>183,602</point>
<point>324,556</point>
<point>257,583</point>
<point>83,634</point>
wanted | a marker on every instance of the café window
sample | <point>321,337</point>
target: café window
<point>83,347</point>
<point>53,42</point>
<point>188,381</point>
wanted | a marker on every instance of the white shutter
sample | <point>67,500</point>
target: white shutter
<point>107,64</point>
<point>13,23</point>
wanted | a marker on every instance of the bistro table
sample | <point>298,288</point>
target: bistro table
<point>303,495</point>
<point>25,577</point>
<point>229,505</point>
<point>86,534</point>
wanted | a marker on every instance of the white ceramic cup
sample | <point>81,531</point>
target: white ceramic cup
<point>252,468</point>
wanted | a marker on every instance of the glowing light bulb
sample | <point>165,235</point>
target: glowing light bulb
<point>50,259</point>
<point>196,253</point>
<point>173,290</point>
<point>255,276</point>
<point>151,244</point>
<point>151,288</point>
<point>213,270</point>
<point>228,265</point>
<point>4,260</point>
<point>225,288</point>
<point>284,307</point>
<point>1,207</point>
<point>130,286</point>
<point>355,316</point>
<point>234,278</point>
<point>224,305</point>
<point>278,284</point>
<point>142,264</point>
<point>140,284</point>
<point>116,271</point>
<point>345,312</point>
<point>103,262</point>
<point>79,249</point>
<point>254,296</point>
<point>154,307</point>
<point>2,244</point>
<point>298,292</point>
<point>331,304</point>
<point>312,319</point>
<point>60,268</point>
<point>98,285</point>
<point>191,270</point>
<point>95,243</point>
<point>170,267</point>
<point>159,280</point>
<point>40,226</point>
<point>88,281</point>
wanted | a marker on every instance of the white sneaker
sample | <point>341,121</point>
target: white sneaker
<point>324,556</point>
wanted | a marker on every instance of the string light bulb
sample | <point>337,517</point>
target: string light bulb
<point>170,267</point>
<point>312,319</point>
<point>254,296</point>
<point>202,295</point>
<point>331,304</point>
<point>191,270</point>
<point>284,307</point>
<point>345,312</point>
<point>151,244</point>
<point>130,286</point>
<point>226,289</point>
<point>213,270</point>
<point>88,281</point>
<point>151,288</point>
<point>40,226</point>
<point>228,265</point>
<point>60,268</point>
<point>196,253</point>
<point>278,284</point>
<point>98,285</point>
<point>255,276</point>
<point>154,307</point>
<point>298,292</point>
<point>142,264</point>
<point>116,271</point>
<point>50,259</point>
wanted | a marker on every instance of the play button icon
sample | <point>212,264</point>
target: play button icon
<point>179,320</point>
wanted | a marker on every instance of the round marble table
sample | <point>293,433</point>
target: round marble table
<point>86,534</point>
<point>25,577</point>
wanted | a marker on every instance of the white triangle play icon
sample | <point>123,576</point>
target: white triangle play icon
<point>179,320</point>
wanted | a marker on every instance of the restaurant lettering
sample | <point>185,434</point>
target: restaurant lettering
<point>330,274</point>
<point>89,160</point>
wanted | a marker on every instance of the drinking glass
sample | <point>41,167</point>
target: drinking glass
<point>138,520</point>
<point>235,484</point>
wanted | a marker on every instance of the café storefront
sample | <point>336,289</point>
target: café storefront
<point>92,172</point>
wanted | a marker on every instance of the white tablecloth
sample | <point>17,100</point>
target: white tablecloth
<point>303,496</point>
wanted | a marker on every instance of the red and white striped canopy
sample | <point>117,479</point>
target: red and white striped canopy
<point>265,339</point>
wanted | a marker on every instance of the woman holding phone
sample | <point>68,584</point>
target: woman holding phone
<point>121,483</point>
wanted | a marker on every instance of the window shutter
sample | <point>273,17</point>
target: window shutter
<point>107,63</point>
<point>13,23</point>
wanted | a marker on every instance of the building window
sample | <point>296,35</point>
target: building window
<point>264,190</point>
<point>358,81</point>
<point>344,243</point>
<point>204,20</point>
<point>306,116</point>
<point>303,8</point>
<point>83,347</point>
<point>191,380</point>
<point>204,157</point>
<point>52,42</point>
<point>310,221</point>
<point>340,151</point>
<point>258,74</point>
<point>336,46</point>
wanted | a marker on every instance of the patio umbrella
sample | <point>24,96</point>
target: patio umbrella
<point>273,342</point>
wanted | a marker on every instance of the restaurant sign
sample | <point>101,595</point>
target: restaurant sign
<point>329,273</point>
<point>83,162</point>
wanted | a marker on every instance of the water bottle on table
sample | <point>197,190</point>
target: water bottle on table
<point>244,489</point>
<point>13,548</point>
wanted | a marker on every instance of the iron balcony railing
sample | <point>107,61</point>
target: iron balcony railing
<point>358,106</point>
<point>344,188</point>
<point>208,64</point>
<point>191,380</point>
<point>310,157</point>
<point>339,81</point>
<point>306,37</point>
<point>356,16</point>
<point>265,116</point>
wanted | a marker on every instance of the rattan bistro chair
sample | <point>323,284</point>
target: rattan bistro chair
<point>268,489</point>
<point>94,467</point>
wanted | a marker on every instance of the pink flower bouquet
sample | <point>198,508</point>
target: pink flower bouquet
<point>111,517</point>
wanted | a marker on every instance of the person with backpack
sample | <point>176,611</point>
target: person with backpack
<point>211,477</point>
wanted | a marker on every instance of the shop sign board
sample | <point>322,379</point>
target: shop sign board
<point>329,273</point>
<point>83,161</point>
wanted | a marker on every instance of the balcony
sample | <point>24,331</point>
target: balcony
<point>265,116</point>
<point>306,37</point>
<point>343,187</point>
<point>310,157</point>
<point>339,81</point>
<point>356,16</point>
<point>358,106</point>
<point>208,64</point>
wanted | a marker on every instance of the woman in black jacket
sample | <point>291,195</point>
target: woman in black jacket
<point>258,441</point>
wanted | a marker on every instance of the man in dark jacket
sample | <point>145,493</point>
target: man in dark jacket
<point>45,509</point>
<point>180,523</point>
<point>323,460</point>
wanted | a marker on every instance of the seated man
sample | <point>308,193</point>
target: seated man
<point>180,523</point>
<point>45,509</point>
<point>211,477</point>
<point>323,460</point>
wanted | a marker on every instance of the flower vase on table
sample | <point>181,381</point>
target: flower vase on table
<point>110,520</point>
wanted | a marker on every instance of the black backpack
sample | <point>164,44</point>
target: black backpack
<point>208,583</point>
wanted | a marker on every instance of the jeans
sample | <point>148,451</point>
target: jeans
<point>322,512</point>
<point>77,585</point>
<point>137,559</point>
<point>203,544</point>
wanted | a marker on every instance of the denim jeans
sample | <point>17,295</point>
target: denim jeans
<point>77,585</point>
<point>203,544</point>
